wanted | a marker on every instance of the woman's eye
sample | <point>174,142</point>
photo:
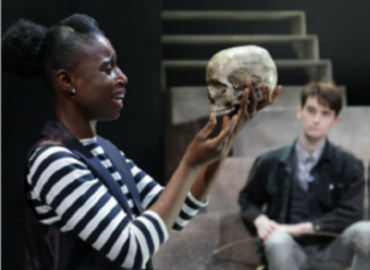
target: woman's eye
<point>108,70</point>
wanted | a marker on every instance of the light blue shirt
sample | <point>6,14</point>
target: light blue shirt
<point>305,163</point>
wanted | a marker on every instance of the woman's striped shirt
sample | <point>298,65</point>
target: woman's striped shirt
<point>66,194</point>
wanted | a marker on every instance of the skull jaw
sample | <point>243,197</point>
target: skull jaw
<point>223,111</point>
<point>220,109</point>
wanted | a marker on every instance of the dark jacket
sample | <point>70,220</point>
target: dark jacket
<point>334,199</point>
<point>49,249</point>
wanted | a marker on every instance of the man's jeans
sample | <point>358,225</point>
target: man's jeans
<point>283,253</point>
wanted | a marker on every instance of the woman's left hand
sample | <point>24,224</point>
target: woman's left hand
<point>204,150</point>
<point>249,105</point>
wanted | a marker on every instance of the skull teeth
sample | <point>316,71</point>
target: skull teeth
<point>223,112</point>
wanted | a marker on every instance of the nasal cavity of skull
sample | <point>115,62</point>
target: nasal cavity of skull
<point>210,98</point>
<point>215,90</point>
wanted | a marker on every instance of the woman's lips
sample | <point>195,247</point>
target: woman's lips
<point>117,99</point>
<point>118,102</point>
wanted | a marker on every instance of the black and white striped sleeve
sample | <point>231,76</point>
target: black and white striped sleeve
<point>66,194</point>
<point>150,190</point>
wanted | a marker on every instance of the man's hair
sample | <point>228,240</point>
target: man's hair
<point>326,93</point>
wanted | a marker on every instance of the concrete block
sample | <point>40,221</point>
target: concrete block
<point>192,248</point>
<point>232,178</point>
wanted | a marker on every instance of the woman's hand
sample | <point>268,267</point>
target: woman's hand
<point>249,105</point>
<point>203,150</point>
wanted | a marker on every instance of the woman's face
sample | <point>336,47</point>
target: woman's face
<point>98,82</point>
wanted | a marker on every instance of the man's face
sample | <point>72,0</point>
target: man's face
<point>317,119</point>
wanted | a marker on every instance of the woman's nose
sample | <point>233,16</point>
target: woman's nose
<point>122,78</point>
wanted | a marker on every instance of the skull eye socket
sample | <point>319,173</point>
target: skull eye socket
<point>218,85</point>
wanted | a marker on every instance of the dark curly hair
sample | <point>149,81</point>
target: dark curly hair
<point>32,51</point>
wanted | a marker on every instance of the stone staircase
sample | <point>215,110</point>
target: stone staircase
<point>306,46</point>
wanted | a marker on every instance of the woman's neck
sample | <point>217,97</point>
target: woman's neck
<point>77,125</point>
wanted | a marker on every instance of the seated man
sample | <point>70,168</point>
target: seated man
<point>309,187</point>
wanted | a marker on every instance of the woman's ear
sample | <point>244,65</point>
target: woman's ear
<point>64,81</point>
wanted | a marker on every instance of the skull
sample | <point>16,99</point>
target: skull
<point>228,70</point>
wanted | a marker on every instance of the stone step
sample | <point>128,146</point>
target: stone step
<point>280,63</point>
<point>194,246</point>
<point>298,17</point>
<point>189,103</point>
<point>223,197</point>
<point>236,39</point>
<point>320,70</point>
<point>306,46</point>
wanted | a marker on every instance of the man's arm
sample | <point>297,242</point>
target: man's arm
<point>297,229</point>
<point>350,208</point>
<point>254,195</point>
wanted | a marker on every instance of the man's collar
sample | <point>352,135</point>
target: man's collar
<point>287,155</point>
<point>302,155</point>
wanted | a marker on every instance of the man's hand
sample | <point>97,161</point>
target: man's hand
<point>265,227</point>
<point>296,229</point>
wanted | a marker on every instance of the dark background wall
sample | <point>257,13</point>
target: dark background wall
<point>134,27</point>
<point>134,30</point>
<point>342,27</point>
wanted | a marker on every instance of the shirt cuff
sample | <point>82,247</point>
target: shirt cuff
<point>316,226</point>
<point>199,204</point>
<point>161,223</point>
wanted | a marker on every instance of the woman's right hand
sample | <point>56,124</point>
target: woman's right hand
<point>203,150</point>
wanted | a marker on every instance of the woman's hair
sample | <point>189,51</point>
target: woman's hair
<point>32,51</point>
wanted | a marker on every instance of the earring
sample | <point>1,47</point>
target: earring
<point>73,91</point>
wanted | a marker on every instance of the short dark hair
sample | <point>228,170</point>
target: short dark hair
<point>326,93</point>
<point>32,51</point>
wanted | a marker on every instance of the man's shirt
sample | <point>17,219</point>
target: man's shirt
<point>305,163</point>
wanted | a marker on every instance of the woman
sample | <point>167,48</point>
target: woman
<point>87,206</point>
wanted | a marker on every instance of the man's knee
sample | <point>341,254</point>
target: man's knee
<point>282,252</point>
<point>279,241</point>
<point>360,230</point>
